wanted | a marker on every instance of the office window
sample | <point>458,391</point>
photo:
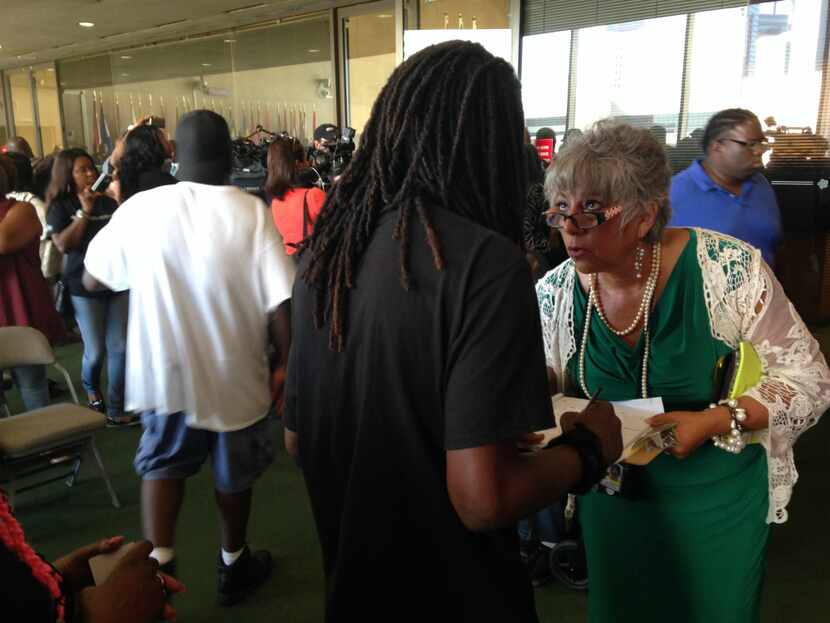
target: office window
<point>545,62</point>
<point>761,57</point>
<point>631,71</point>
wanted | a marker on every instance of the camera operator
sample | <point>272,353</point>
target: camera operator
<point>294,203</point>
<point>331,152</point>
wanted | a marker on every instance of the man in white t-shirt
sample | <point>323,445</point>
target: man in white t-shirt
<point>209,281</point>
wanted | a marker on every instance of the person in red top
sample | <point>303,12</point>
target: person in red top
<point>293,206</point>
<point>25,299</point>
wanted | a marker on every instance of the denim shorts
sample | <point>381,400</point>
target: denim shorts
<point>171,449</point>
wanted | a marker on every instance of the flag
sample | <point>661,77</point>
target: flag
<point>117,115</point>
<point>104,131</point>
<point>96,131</point>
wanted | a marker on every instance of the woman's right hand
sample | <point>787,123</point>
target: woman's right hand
<point>133,593</point>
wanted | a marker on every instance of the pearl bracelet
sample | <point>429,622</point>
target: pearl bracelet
<point>734,440</point>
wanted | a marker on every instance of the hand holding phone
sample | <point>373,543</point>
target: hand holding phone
<point>101,183</point>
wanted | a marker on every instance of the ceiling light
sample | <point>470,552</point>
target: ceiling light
<point>384,15</point>
<point>313,51</point>
<point>50,69</point>
<point>126,57</point>
<point>205,64</point>
<point>230,40</point>
<point>86,24</point>
<point>125,75</point>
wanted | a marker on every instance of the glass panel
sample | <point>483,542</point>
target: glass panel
<point>767,60</point>
<point>620,74</point>
<point>370,60</point>
<point>487,22</point>
<point>462,14</point>
<point>545,62</point>
<point>20,84</point>
<point>278,76</point>
<point>49,114</point>
<point>4,131</point>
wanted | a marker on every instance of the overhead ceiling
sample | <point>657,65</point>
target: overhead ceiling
<point>35,31</point>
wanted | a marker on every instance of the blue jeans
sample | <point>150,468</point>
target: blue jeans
<point>32,383</point>
<point>103,324</point>
<point>542,526</point>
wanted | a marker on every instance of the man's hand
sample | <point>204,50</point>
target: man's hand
<point>600,419</point>
<point>134,593</point>
<point>74,567</point>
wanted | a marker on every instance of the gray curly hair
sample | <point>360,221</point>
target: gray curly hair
<point>623,164</point>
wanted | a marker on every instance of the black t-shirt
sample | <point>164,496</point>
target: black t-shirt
<point>455,362</point>
<point>60,216</point>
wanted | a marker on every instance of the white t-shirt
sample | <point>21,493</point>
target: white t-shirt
<point>204,266</point>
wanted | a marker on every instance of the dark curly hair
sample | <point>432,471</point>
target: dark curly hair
<point>145,149</point>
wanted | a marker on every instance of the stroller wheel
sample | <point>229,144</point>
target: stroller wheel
<point>568,565</point>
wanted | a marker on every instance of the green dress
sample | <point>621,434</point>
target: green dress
<point>690,546</point>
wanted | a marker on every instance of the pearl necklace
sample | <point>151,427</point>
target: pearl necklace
<point>648,292</point>
<point>645,306</point>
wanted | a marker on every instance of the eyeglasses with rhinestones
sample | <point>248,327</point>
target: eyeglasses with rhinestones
<point>583,220</point>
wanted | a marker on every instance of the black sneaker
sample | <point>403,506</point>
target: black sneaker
<point>122,421</point>
<point>237,580</point>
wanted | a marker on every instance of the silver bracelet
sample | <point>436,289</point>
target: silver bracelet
<point>733,441</point>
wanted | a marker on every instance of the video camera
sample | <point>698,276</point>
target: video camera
<point>332,152</point>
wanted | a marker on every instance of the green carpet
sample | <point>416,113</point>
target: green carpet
<point>57,519</point>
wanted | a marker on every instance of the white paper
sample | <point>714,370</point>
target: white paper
<point>632,413</point>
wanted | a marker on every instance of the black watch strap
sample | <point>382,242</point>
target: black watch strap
<point>589,448</point>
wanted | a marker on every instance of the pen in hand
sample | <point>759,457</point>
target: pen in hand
<point>592,399</point>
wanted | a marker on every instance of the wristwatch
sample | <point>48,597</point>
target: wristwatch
<point>79,213</point>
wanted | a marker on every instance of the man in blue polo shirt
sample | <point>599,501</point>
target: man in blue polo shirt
<point>725,191</point>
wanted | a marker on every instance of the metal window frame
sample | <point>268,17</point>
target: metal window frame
<point>342,40</point>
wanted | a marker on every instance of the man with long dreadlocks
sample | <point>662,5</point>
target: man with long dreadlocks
<point>417,360</point>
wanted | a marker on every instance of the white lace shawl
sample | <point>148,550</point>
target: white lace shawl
<point>745,302</point>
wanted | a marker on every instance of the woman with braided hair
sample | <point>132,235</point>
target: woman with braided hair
<point>416,358</point>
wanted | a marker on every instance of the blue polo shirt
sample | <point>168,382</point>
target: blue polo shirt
<point>753,216</point>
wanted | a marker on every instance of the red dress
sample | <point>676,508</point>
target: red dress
<point>25,299</point>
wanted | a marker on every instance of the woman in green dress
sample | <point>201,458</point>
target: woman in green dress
<point>644,311</point>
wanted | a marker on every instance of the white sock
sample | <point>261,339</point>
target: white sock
<point>230,557</point>
<point>163,554</point>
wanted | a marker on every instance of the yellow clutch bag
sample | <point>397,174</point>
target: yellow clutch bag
<point>738,371</point>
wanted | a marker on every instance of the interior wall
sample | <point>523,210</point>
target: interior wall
<point>286,98</point>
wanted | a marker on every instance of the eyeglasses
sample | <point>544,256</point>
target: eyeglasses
<point>582,220</point>
<point>752,145</point>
